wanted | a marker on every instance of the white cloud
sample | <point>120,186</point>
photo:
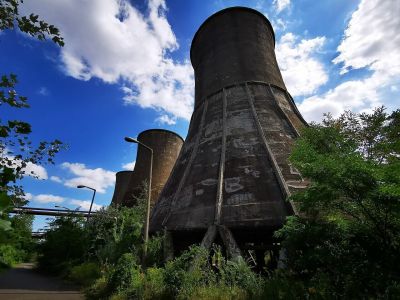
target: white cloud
<point>302,72</point>
<point>114,41</point>
<point>28,196</point>
<point>165,119</point>
<point>43,91</point>
<point>56,179</point>
<point>49,198</point>
<point>129,166</point>
<point>31,169</point>
<point>85,204</point>
<point>371,38</point>
<point>371,41</point>
<point>98,178</point>
<point>46,198</point>
<point>281,5</point>
<point>36,171</point>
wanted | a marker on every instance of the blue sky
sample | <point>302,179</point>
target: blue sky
<point>125,68</point>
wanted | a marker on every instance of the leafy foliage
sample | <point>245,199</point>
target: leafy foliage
<point>346,240</point>
<point>16,243</point>
<point>114,231</point>
<point>10,18</point>
<point>16,150</point>
<point>64,246</point>
<point>85,273</point>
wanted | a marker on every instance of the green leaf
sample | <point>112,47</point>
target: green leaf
<point>5,201</point>
<point>5,225</point>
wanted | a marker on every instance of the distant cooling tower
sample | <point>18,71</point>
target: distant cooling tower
<point>166,146</point>
<point>232,177</point>
<point>122,180</point>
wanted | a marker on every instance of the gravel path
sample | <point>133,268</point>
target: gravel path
<point>23,282</point>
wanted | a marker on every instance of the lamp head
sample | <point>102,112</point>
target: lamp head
<point>131,140</point>
<point>81,186</point>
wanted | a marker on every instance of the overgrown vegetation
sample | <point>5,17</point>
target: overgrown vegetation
<point>16,150</point>
<point>16,245</point>
<point>346,241</point>
<point>344,244</point>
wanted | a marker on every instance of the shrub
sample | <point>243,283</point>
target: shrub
<point>127,276</point>
<point>64,245</point>
<point>85,274</point>
<point>154,285</point>
<point>219,292</point>
<point>98,290</point>
<point>9,255</point>
<point>155,251</point>
<point>239,274</point>
<point>281,285</point>
<point>188,271</point>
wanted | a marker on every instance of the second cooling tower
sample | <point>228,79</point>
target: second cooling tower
<point>166,146</point>
<point>233,171</point>
<point>122,180</point>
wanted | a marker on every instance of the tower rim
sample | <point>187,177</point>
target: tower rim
<point>160,130</point>
<point>220,12</point>
<point>124,171</point>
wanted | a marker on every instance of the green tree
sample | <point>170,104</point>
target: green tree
<point>346,239</point>
<point>64,246</point>
<point>16,151</point>
<point>10,18</point>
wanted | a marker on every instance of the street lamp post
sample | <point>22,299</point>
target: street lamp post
<point>94,194</point>
<point>147,222</point>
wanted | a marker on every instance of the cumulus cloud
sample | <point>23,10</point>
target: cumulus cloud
<point>28,196</point>
<point>129,166</point>
<point>56,179</point>
<point>371,38</point>
<point>98,178</point>
<point>44,198</point>
<point>370,41</point>
<point>36,171</point>
<point>114,41</point>
<point>31,169</point>
<point>302,71</point>
<point>43,91</point>
<point>165,119</point>
<point>85,204</point>
<point>49,198</point>
<point>281,5</point>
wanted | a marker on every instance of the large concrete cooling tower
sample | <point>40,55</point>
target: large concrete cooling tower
<point>122,180</point>
<point>232,177</point>
<point>166,146</point>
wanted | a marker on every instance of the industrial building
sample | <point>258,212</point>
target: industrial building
<point>232,178</point>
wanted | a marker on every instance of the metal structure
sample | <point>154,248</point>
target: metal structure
<point>166,146</point>
<point>148,204</point>
<point>122,180</point>
<point>94,194</point>
<point>232,177</point>
<point>49,211</point>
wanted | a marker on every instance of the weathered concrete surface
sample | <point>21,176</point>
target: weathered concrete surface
<point>233,169</point>
<point>166,146</point>
<point>122,180</point>
<point>24,283</point>
<point>232,46</point>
